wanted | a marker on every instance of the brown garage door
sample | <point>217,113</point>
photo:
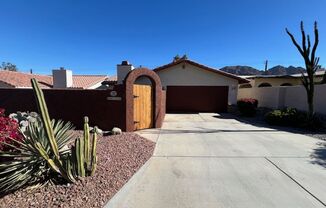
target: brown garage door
<point>196,99</point>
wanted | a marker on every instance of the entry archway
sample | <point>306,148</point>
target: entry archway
<point>150,102</point>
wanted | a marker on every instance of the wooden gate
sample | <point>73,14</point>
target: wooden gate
<point>143,106</point>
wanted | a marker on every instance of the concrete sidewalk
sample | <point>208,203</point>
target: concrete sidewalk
<point>202,160</point>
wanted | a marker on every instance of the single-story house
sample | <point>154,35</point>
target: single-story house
<point>60,78</point>
<point>278,80</point>
<point>190,86</point>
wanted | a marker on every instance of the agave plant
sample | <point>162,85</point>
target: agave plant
<point>26,165</point>
<point>43,155</point>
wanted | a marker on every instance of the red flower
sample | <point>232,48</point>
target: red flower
<point>2,112</point>
<point>9,128</point>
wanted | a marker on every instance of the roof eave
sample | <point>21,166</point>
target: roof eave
<point>240,80</point>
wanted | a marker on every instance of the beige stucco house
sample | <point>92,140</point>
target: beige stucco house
<point>189,73</point>
<point>278,80</point>
<point>190,86</point>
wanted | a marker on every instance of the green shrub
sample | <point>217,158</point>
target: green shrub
<point>286,117</point>
<point>247,106</point>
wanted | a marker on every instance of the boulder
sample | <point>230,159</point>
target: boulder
<point>116,131</point>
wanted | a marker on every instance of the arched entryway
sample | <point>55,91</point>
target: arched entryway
<point>143,92</point>
<point>144,107</point>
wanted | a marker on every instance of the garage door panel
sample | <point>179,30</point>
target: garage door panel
<point>197,98</point>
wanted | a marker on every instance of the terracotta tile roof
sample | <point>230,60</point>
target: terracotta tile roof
<point>241,80</point>
<point>23,80</point>
<point>87,81</point>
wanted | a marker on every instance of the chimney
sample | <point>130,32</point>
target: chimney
<point>62,78</point>
<point>122,70</point>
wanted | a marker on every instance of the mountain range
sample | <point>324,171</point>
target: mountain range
<point>276,70</point>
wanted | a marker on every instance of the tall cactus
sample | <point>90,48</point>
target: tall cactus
<point>55,163</point>
<point>82,159</point>
<point>85,165</point>
<point>45,117</point>
<point>93,156</point>
<point>312,65</point>
<point>87,142</point>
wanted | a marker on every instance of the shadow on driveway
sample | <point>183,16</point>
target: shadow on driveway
<point>209,131</point>
<point>260,122</point>
<point>319,155</point>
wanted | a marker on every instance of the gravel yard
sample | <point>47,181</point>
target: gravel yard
<point>119,157</point>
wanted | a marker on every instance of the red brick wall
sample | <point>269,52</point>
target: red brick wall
<point>162,112</point>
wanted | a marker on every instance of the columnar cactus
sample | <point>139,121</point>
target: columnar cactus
<point>82,159</point>
<point>85,153</point>
<point>93,156</point>
<point>54,162</point>
<point>87,143</point>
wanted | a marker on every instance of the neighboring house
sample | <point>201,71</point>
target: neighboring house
<point>60,78</point>
<point>191,86</point>
<point>278,80</point>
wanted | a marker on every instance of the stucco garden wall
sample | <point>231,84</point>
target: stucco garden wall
<point>275,81</point>
<point>280,97</point>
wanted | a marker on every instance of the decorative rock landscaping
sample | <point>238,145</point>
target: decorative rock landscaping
<point>119,157</point>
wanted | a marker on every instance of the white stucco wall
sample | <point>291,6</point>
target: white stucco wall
<point>275,82</point>
<point>280,97</point>
<point>194,76</point>
<point>266,96</point>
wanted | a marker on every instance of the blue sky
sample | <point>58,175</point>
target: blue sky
<point>91,37</point>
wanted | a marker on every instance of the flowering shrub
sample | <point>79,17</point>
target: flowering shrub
<point>9,128</point>
<point>2,112</point>
<point>247,106</point>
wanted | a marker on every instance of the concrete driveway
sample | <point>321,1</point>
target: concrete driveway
<point>207,160</point>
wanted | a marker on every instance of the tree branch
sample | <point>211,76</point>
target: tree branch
<point>304,47</point>
<point>313,52</point>
<point>309,45</point>
<point>295,42</point>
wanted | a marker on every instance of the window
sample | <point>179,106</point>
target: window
<point>286,84</point>
<point>265,84</point>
